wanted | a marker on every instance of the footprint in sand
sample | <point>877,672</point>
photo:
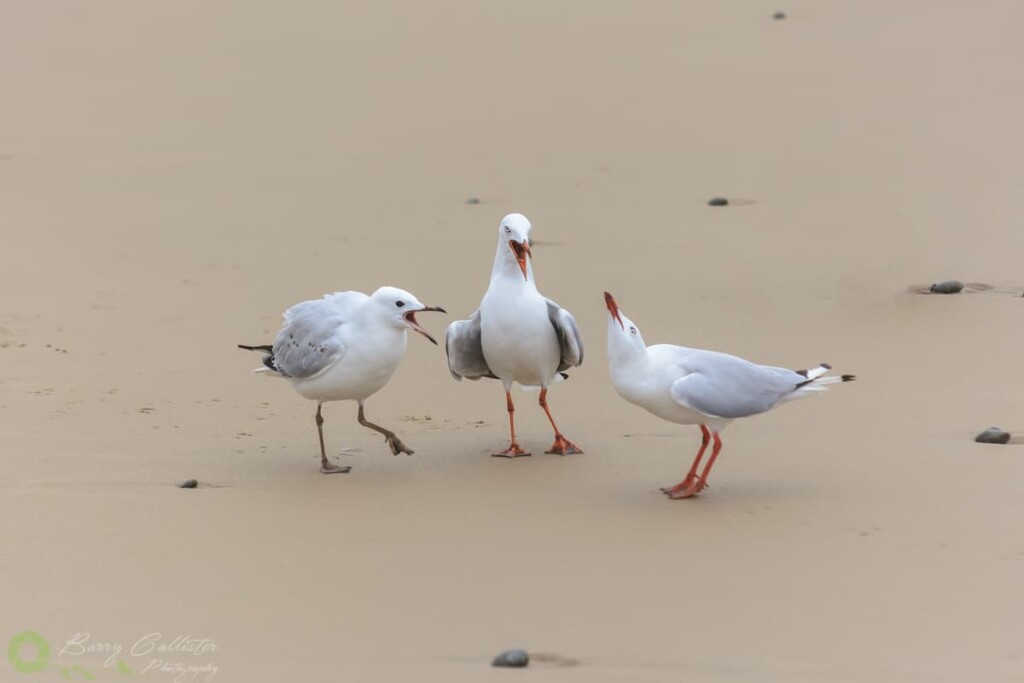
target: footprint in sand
<point>428,422</point>
<point>13,329</point>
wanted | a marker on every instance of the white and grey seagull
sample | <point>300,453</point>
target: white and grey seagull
<point>344,347</point>
<point>517,334</point>
<point>692,386</point>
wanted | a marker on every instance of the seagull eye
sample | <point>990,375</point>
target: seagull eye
<point>508,229</point>
<point>399,303</point>
<point>632,330</point>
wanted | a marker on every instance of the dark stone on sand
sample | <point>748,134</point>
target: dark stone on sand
<point>189,484</point>
<point>779,16</point>
<point>512,659</point>
<point>473,200</point>
<point>947,287</point>
<point>993,435</point>
<point>718,201</point>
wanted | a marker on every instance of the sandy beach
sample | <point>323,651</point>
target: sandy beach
<point>173,176</point>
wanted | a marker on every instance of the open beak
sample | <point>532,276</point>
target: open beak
<point>613,308</point>
<point>410,320</point>
<point>522,251</point>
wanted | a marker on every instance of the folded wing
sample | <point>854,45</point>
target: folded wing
<point>465,352</point>
<point>570,341</point>
<point>720,385</point>
<point>312,337</point>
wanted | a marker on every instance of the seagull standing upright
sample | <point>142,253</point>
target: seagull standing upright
<point>692,386</point>
<point>344,347</point>
<point>517,335</point>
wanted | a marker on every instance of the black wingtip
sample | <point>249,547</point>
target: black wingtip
<point>849,378</point>
<point>267,350</point>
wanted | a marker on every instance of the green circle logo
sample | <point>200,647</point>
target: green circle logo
<point>42,652</point>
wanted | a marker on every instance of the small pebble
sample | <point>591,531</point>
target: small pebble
<point>779,16</point>
<point>514,659</point>
<point>718,201</point>
<point>947,287</point>
<point>993,435</point>
<point>473,200</point>
<point>190,484</point>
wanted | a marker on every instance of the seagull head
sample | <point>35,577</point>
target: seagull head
<point>401,307</point>
<point>623,335</point>
<point>514,231</point>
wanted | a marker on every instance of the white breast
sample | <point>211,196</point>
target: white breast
<point>648,383</point>
<point>516,335</point>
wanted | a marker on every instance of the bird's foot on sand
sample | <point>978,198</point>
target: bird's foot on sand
<point>684,484</point>
<point>688,492</point>
<point>330,468</point>
<point>513,451</point>
<point>562,446</point>
<point>396,445</point>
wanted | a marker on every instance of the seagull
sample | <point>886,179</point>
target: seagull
<point>517,334</point>
<point>344,347</point>
<point>706,388</point>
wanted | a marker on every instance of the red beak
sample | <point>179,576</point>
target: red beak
<point>521,251</point>
<point>613,308</point>
<point>410,319</point>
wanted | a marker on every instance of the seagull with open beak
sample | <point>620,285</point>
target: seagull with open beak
<point>697,387</point>
<point>344,347</point>
<point>517,335</point>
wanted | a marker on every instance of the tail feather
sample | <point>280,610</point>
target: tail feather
<point>816,378</point>
<point>814,373</point>
<point>834,379</point>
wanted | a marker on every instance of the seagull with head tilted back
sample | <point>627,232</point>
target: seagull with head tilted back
<point>693,386</point>
<point>344,347</point>
<point>517,334</point>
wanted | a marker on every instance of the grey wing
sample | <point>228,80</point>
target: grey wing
<point>570,341</point>
<point>720,385</point>
<point>465,352</point>
<point>309,341</point>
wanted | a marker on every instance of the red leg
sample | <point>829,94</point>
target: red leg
<point>692,474</point>
<point>562,445</point>
<point>513,450</point>
<point>702,481</point>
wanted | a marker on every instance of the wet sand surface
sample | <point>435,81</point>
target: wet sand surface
<point>174,176</point>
